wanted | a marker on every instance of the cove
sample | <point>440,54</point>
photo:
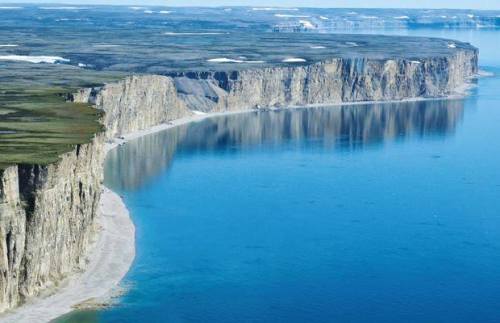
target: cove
<point>367,213</point>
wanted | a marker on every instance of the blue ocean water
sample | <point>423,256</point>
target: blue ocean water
<point>369,213</point>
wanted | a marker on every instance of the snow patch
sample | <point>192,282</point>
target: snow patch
<point>63,8</point>
<point>294,60</point>
<point>33,59</point>
<point>9,45</point>
<point>307,24</point>
<point>224,60</point>
<point>318,47</point>
<point>281,15</point>
<point>198,113</point>
<point>274,9</point>
<point>230,60</point>
<point>452,45</point>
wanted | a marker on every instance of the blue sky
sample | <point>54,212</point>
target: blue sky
<point>469,4</point>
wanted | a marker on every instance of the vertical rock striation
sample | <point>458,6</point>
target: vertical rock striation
<point>140,102</point>
<point>46,221</point>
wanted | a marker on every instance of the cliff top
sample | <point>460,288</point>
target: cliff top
<point>164,40</point>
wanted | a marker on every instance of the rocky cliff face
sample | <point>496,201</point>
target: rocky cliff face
<point>46,221</point>
<point>47,212</point>
<point>140,102</point>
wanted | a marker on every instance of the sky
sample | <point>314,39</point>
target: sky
<point>464,4</point>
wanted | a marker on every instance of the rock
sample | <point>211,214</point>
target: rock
<point>140,102</point>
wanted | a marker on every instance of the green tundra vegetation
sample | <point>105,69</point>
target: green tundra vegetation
<point>37,121</point>
<point>38,125</point>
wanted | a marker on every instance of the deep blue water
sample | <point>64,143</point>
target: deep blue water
<point>370,213</point>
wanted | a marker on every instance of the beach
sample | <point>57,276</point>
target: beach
<point>109,260</point>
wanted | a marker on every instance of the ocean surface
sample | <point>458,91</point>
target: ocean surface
<point>365,213</point>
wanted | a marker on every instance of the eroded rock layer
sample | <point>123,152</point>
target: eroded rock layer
<point>140,102</point>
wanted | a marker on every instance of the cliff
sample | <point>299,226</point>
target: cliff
<point>47,212</point>
<point>46,221</point>
<point>140,102</point>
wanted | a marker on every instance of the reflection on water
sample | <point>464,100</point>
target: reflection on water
<point>337,128</point>
<point>79,317</point>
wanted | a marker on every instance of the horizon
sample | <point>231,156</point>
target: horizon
<point>237,6</point>
<point>319,4</point>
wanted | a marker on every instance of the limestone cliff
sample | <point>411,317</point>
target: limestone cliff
<point>47,212</point>
<point>46,220</point>
<point>140,102</point>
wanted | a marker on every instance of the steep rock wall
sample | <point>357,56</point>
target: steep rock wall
<point>46,221</point>
<point>140,102</point>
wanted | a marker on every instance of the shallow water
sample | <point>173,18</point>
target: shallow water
<point>369,213</point>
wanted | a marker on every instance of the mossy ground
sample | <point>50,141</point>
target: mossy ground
<point>37,122</point>
<point>36,127</point>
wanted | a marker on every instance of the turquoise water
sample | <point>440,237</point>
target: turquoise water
<point>369,213</point>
